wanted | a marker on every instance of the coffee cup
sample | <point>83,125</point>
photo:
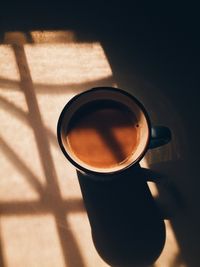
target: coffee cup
<point>105,130</point>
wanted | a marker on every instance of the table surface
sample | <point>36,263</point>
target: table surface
<point>43,221</point>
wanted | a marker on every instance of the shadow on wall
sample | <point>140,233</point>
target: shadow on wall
<point>51,199</point>
<point>50,196</point>
<point>137,51</point>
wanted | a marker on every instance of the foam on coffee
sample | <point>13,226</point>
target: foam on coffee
<point>103,134</point>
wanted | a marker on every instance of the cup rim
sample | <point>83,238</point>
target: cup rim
<point>71,101</point>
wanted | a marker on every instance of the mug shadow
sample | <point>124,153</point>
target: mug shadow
<point>126,224</point>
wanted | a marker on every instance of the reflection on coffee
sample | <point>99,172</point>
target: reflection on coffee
<point>103,134</point>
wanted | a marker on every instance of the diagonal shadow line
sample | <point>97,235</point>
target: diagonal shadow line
<point>71,253</point>
<point>104,126</point>
<point>21,166</point>
<point>39,207</point>
<point>24,117</point>
<point>114,146</point>
<point>57,88</point>
<point>107,136</point>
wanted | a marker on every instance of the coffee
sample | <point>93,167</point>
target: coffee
<point>103,134</point>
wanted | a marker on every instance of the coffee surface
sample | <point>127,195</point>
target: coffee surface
<point>103,134</point>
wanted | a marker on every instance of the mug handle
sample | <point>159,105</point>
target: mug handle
<point>160,135</point>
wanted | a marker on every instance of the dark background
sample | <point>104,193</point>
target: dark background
<point>160,41</point>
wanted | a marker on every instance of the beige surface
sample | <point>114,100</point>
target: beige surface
<point>43,222</point>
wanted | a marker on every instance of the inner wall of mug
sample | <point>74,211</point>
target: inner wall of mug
<point>113,95</point>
